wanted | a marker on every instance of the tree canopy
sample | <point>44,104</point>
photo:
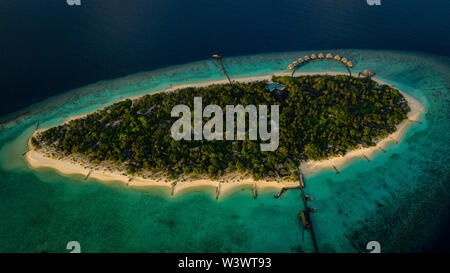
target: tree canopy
<point>320,116</point>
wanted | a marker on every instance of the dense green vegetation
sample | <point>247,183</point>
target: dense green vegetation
<point>320,116</point>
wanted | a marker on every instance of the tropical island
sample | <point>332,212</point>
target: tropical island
<point>321,116</point>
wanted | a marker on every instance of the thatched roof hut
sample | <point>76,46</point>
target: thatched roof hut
<point>290,67</point>
<point>344,60</point>
<point>329,56</point>
<point>275,86</point>
<point>306,58</point>
<point>300,60</point>
<point>313,56</point>
<point>349,64</point>
<point>367,73</point>
<point>321,56</point>
<point>337,58</point>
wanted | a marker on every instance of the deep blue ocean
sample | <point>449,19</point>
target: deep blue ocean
<point>60,60</point>
<point>48,47</point>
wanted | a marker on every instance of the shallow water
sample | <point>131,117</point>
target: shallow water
<point>400,198</point>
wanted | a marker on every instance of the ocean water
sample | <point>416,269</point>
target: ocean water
<point>48,47</point>
<point>400,198</point>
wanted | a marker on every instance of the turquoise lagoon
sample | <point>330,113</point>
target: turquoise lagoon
<point>400,198</point>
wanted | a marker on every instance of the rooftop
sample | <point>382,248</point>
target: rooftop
<point>275,86</point>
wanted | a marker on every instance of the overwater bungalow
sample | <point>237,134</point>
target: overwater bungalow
<point>300,61</point>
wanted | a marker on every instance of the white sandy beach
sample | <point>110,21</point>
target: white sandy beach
<point>314,166</point>
<point>38,159</point>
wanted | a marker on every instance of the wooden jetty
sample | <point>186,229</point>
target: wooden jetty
<point>172,189</point>
<point>87,176</point>
<point>283,189</point>
<point>278,194</point>
<point>381,149</point>
<point>301,180</point>
<point>221,67</point>
<point>335,169</point>
<point>254,191</point>
<point>217,191</point>
<point>305,216</point>
<point>305,224</point>
<point>415,121</point>
<point>24,153</point>
<point>368,160</point>
<point>36,125</point>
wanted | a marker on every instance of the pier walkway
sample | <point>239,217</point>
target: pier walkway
<point>305,214</point>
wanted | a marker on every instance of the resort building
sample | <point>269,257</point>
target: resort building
<point>274,86</point>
